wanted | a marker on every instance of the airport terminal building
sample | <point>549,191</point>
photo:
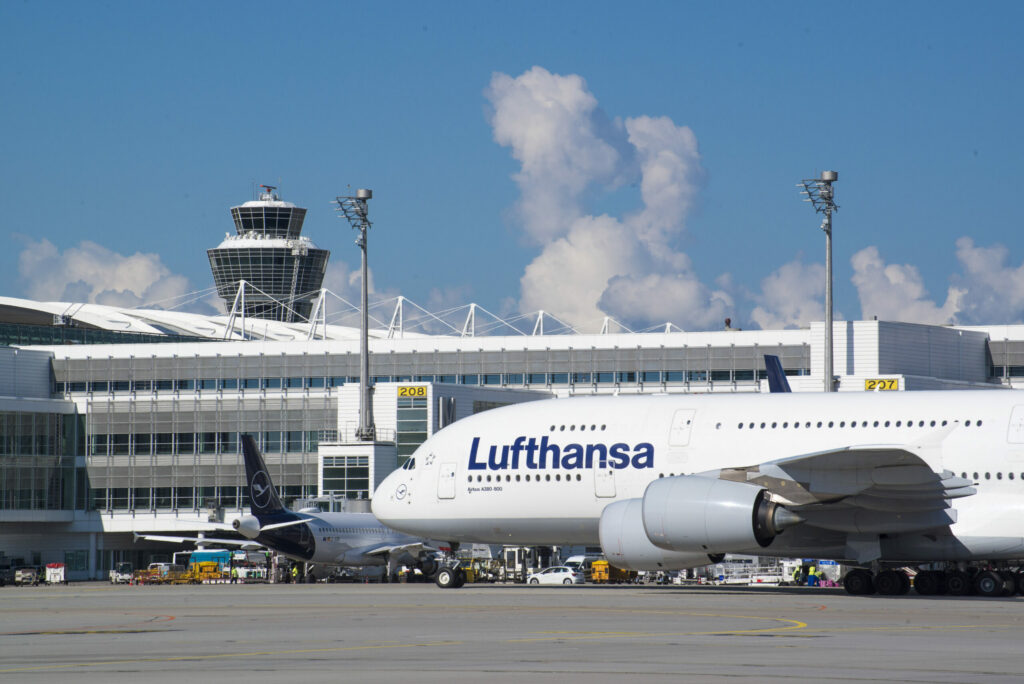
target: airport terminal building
<point>103,440</point>
<point>115,421</point>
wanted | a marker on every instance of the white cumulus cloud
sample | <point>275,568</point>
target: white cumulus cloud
<point>627,267</point>
<point>92,273</point>
<point>993,292</point>
<point>791,297</point>
<point>896,292</point>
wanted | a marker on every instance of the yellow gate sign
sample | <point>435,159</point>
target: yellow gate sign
<point>417,391</point>
<point>882,384</point>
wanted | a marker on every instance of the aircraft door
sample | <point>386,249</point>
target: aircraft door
<point>446,481</point>
<point>682,423</point>
<point>604,483</point>
<point>1015,434</point>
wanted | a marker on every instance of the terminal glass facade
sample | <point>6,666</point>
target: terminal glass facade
<point>37,462</point>
<point>347,477</point>
<point>160,452</point>
<point>412,426</point>
<point>163,428</point>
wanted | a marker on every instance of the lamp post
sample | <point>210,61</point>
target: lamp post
<point>820,194</point>
<point>355,211</point>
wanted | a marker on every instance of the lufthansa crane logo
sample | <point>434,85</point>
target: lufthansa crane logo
<point>401,491</point>
<point>261,489</point>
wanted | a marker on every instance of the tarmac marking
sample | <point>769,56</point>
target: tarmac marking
<point>911,628</point>
<point>109,629</point>
<point>577,635</point>
<point>224,656</point>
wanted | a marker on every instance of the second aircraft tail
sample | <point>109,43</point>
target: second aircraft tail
<point>263,499</point>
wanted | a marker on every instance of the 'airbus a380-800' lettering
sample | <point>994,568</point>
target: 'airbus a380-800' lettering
<point>879,480</point>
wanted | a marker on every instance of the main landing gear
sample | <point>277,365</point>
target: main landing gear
<point>954,582</point>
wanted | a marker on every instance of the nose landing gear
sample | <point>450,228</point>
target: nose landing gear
<point>450,578</point>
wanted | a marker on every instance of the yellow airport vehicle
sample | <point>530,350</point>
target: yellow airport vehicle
<point>603,572</point>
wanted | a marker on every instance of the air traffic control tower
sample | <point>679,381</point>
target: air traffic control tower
<point>283,270</point>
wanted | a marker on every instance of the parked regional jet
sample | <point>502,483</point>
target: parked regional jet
<point>876,479</point>
<point>334,539</point>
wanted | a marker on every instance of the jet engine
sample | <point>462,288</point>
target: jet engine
<point>248,526</point>
<point>626,546</point>
<point>690,513</point>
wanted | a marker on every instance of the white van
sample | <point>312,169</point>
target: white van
<point>581,563</point>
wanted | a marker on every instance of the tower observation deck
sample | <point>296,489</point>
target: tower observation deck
<point>283,269</point>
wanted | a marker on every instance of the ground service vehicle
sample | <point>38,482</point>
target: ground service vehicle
<point>558,574</point>
<point>121,573</point>
<point>26,575</point>
<point>603,572</point>
<point>56,573</point>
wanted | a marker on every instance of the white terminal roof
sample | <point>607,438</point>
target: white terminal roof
<point>275,337</point>
<point>268,336</point>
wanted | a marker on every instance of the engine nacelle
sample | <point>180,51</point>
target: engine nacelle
<point>690,513</point>
<point>248,526</point>
<point>626,546</point>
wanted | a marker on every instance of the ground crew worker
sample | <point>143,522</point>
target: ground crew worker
<point>295,573</point>
<point>234,575</point>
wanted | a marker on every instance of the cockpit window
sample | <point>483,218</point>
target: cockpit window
<point>409,465</point>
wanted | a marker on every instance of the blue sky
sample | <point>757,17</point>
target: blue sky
<point>501,142</point>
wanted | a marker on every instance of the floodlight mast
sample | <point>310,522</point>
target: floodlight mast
<point>820,194</point>
<point>354,209</point>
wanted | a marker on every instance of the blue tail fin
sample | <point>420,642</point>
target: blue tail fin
<point>263,499</point>
<point>776,376</point>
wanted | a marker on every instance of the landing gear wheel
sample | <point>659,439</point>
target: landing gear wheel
<point>445,578</point>
<point>988,583</point>
<point>1009,582</point>
<point>460,578</point>
<point>890,583</point>
<point>930,583</point>
<point>858,583</point>
<point>958,583</point>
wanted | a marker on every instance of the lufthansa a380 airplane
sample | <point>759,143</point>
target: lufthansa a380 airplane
<point>332,539</point>
<point>879,480</point>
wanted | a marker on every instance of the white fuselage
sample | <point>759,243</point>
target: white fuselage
<point>345,538</point>
<point>543,472</point>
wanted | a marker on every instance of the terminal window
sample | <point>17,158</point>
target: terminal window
<point>412,426</point>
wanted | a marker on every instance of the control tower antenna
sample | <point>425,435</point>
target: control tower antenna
<point>354,210</point>
<point>821,196</point>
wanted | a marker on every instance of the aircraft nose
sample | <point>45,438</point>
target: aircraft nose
<point>391,499</point>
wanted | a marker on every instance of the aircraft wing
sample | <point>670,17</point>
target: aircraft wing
<point>893,474</point>
<point>241,543</point>
<point>862,491</point>
<point>395,550</point>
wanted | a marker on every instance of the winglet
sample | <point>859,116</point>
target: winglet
<point>263,497</point>
<point>776,376</point>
